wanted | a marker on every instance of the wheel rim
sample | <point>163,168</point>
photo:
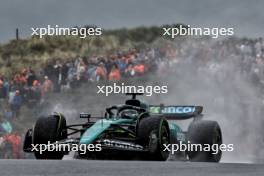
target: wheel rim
<point>164,139</point>
<point>164,135</point>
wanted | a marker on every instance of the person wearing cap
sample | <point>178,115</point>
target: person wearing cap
<point>47,86</point>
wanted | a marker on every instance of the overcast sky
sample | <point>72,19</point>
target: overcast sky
<point>246,16</point>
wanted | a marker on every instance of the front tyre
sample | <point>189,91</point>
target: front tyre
<point>153,132</point>
<point>49,129</point>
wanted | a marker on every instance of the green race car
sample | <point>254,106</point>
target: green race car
<point>134,130</point>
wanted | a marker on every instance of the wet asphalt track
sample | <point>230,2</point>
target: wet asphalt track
<point>123,168</point>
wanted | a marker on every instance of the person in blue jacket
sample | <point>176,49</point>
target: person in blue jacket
<point>16,104</point>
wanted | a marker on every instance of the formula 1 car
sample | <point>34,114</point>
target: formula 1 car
<point>134,130</point>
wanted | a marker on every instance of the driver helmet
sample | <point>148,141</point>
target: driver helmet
<point>128,114</point>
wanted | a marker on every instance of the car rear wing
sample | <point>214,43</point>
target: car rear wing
<point>173,112</point>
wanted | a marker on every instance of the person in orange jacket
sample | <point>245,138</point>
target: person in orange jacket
<point>114,74</point>
<point>139,69</point>
<point>15,141</point>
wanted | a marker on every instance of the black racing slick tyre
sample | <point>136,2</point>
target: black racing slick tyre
<point>205,133</point>
<point>153,132</point>
<point>49,129</point>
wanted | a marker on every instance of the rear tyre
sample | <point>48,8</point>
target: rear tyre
<point>49,129</point>
<point>153,132</point>
<point>205,132</point>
